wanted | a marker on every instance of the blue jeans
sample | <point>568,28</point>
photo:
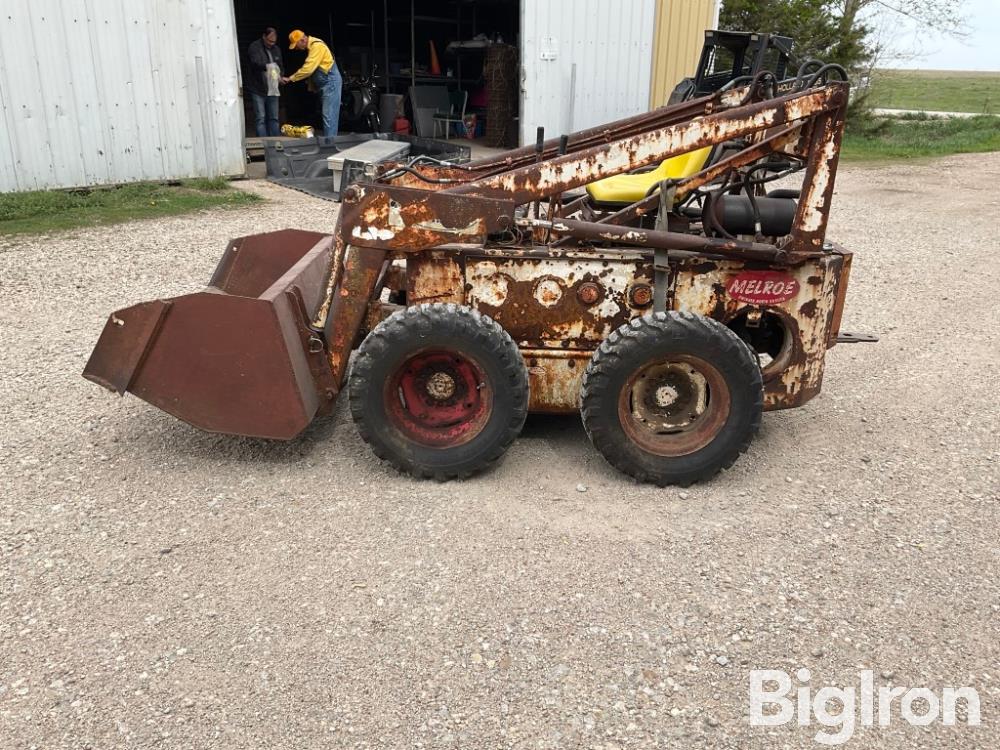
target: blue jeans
<point>265,114</point>
<point>329,86</point>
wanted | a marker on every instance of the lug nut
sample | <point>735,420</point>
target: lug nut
<point>641,295</point>
<point>588,293</point>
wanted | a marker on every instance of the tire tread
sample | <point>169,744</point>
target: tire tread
<point>424,318</point>
<point>640,334</point>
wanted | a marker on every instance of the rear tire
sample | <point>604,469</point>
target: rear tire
<point>439,391</point>
<point>672,398</point>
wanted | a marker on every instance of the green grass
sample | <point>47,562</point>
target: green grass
<point>55,210</point>
<point>936,90</point>
<point>919,136</point>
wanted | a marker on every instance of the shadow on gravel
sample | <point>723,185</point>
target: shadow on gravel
<point>560,427</point>
<point>163,435</point>
<point>155,433</point>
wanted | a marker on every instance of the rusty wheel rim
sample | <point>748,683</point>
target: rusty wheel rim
<point>674,407</point>
<point>439,398</point>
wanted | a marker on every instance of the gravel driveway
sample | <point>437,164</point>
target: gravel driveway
<point>164,587</point>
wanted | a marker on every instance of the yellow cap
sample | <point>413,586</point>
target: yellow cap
<point>294,38</point>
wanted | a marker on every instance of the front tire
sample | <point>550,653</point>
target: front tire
<point>439,391</point>
<point>672,398</point>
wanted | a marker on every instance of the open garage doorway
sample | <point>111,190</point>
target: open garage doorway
<point>423,58</point>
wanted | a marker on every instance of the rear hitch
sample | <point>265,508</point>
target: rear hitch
<point>848,337</point>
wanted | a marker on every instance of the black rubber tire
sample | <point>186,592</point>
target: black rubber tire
<point>446,327</point>
<point>654,337</point>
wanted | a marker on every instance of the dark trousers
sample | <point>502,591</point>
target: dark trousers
<point>265,114</point>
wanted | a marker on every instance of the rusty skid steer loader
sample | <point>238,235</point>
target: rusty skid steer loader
<point>478,293</point>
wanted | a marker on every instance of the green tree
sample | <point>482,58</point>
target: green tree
<point>838,31</point>
<point>818,30</point>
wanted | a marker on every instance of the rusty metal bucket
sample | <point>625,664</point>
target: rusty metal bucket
<point>239,356</point>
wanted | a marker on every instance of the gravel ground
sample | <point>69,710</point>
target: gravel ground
<point>163,587</point>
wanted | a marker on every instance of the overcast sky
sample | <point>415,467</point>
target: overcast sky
<point>979,51</point>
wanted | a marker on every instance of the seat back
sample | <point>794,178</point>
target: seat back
<point>629,188</point>
<point>684,165</point>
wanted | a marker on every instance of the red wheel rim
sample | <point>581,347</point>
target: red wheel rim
<point>439,398</point>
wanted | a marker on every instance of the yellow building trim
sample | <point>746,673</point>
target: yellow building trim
<point>678,36</point>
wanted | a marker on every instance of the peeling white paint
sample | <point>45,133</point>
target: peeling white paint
<point>636,237</point>
<point>395,217</point>
<point>472,229</point>
<point>812,217</point>
<point>490,282</point>
<point>548,292</point>
<point>372,233</point>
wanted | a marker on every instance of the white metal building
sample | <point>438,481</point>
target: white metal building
<point>103,91</point>
<point>99,92</point>
<point>584,62</point>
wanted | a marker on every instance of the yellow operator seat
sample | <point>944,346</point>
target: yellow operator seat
<point>629,188</point>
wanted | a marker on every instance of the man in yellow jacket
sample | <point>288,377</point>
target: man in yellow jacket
<point>321,70</point>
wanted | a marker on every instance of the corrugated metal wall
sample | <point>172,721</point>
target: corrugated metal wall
<point>109,91</point>
<point>609,41</point>
<point>680,31</point>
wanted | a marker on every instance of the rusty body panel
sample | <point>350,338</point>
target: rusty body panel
<point>541,302</point>
<point>533,295</point>
<point>806,316</point>
<point>841,301</point>
<point>555,378</point>
<point>435,276</point>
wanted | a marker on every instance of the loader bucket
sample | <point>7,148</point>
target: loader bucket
<point>239,356</point>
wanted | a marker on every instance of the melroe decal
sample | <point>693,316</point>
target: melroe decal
<point>762,287</point>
